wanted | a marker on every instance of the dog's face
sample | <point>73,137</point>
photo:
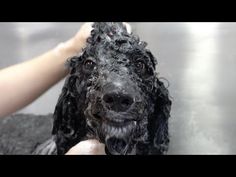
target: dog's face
<point>111,93</point>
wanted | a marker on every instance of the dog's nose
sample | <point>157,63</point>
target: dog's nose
<point>118,102</point>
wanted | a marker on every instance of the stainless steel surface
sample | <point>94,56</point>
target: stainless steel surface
<point>23,41</point>
<point>198,59</point>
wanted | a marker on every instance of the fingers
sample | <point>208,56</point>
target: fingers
<point>79,40</point>
<point>128,27</point>
<point>84,31</point>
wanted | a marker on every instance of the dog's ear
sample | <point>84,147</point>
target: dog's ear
<point>69,123</point>
<point>152,58</point>
<point>158,121</point>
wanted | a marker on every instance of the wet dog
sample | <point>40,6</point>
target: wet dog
<point>113,94</point>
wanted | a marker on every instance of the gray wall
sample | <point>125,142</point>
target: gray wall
<point>198,59</point>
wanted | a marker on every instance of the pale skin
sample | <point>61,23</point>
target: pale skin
<point>23,83</point>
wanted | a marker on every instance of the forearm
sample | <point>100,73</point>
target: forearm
<point>23,83</point>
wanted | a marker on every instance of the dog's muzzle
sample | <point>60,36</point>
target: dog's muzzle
<point>114,113</point>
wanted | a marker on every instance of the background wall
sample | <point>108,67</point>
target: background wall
<point>198,59</point>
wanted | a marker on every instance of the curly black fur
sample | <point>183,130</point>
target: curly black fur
<point>113,94</point>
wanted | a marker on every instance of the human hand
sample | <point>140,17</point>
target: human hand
<point>88,147</point>
<point>79,40</point>
<point>75,45</point>
<point>128,27</point>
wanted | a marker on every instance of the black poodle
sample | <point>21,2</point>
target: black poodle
<point>113,94</point>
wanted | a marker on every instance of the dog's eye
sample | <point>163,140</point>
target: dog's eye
<point>89,65</point>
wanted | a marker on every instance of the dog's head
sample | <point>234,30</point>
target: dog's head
<point>113,94</point>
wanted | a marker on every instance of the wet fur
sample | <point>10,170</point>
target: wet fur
<point>115,53</point>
